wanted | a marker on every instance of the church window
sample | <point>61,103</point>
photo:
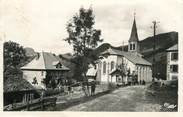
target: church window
<point>130,46</point>
<point>112,65</point>
<point>104,67</point>
<point>133,46</point>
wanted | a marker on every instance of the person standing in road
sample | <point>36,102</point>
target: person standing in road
<point>93,86</point>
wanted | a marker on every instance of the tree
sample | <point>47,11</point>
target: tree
<point>14,58</point>
<point>83,36</point>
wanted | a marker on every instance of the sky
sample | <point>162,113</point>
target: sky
<point>41,24</point>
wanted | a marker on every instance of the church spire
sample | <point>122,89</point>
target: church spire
<point>134,34</point>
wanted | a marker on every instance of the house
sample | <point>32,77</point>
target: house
<point>18,90</point>
<point>119,66</point>
<point>45,71</point>
<point>172,63</point>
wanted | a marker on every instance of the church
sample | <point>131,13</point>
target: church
<point>118,66</point>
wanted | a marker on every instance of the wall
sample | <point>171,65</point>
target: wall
<point>30,75</point>
<point>128,64</point>
<point>144,73</point>
<point>169,63</point>
<point>105,77</point>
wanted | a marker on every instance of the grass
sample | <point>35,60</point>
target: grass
<point>162,95</point>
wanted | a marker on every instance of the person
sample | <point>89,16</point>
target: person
<point>43,93</point>
<point>140,82</point>
<point>70,90</point>
<point>93,86</point>
<point>143,82</point>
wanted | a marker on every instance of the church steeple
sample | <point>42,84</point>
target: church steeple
<point>134,34</point>
<point>133,45</point>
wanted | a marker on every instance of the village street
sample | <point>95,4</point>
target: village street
<point>131,98</point>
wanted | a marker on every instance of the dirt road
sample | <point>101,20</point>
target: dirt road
<point>130,98</point>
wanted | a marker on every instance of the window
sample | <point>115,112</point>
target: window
<point>104,67</point>
<point>41,73</point>
<point>174,56</point>
<point>34,81</point>
<point>59,65</point>
<point>174,77</point>
<point>112,65</point>
<point>174,68</point>
<point>133,46</point>
<point>130,46</point>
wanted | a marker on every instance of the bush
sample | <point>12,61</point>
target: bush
<point>112,86</point>
<point>50,91</point>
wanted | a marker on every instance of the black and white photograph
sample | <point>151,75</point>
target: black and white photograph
<point>91,55</point>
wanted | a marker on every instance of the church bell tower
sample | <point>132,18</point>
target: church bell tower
<point>133,42</point>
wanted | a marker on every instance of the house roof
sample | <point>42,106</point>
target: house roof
<point>67,56</point>
<point>91,72</point>
<point>45,61</point>
<point>134,34</point>
<point>173,48</point>
<point>134,58</point>
<point>17,84</point>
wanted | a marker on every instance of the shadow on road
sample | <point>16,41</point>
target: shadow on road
<point>73,102</point>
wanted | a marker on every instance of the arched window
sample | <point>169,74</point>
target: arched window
<point>104,67</point>
<point>133,46</point>
<point>130,46</point>
<point>112,65</point>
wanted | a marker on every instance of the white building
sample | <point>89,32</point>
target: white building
<point>172,63</point>
<point>110,67</point>
<point>44,69</point>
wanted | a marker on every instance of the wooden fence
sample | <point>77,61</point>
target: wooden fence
<point>37,104</point>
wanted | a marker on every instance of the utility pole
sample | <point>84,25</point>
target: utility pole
<point>122,63</point>
<point>154,47</point>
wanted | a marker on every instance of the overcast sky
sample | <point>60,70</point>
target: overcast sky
<point>41,24</point>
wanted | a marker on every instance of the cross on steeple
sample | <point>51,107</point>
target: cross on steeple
<point>134,14</point>
<point>134,34</point>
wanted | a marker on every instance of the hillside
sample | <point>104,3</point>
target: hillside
<point>30,52</point>
<point>163,41</point>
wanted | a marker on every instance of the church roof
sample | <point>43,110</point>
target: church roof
<point>44,61</point>
<point>134,34</point>
<point>134,58</point>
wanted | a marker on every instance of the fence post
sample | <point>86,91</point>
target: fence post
<point>28,106</point>
<point>42,104</point>
<point>54,103</point>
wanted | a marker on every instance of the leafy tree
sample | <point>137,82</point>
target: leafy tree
<point>84,37</point>
<point>14,58</point>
